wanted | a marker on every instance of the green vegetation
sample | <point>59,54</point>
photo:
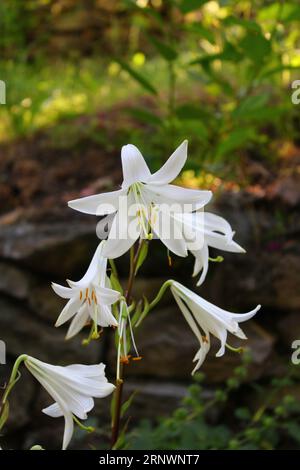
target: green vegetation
<point>217,424</point>
<point>217,72</point>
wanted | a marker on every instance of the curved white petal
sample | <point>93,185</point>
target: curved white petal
<point>201,263</point>
<point>135,168</point>
<point>105,317</point>
<point>64,292</point>
<point>106,296</point>
<point>69,310</point>
<point>179,199</point>
<point>217,223</point>
<point>169,231</point>
<point>97,265</point>
<point>241,317</point>
<point>98,204</point>
<point>173,166</point>
<point>220,242</point>
<point>78,322</point>
<point>124,232</point>
<point>53,410</point>
<point>94,370</point>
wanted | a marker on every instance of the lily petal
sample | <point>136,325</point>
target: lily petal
<point>64,292</point>
<point>173,166</point>
<point>78,322</point>
<point>134,166</point>
<point>69,310</point>
<point>98,204</point>
<point>180,199</point>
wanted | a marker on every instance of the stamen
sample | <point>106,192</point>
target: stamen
<point>80,296</point>
<point>138,358</point>
<point>86,293</point>
<point>125,359</point>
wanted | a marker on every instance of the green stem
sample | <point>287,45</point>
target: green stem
<point>13,376</point>
<point>119,380</point>
<point>12,381</point>
<point>155,301</point>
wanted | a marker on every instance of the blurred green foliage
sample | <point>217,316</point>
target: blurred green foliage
<point>270,422</point>
<point>216,72</point>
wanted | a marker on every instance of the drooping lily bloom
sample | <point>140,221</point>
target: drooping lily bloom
<point>72,388</point>
<point>129,210</point>
<point>205,318</point>
<point>207,230</point>
<point>90,298</point>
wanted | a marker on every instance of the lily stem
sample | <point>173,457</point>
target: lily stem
<point>15,374</point>
<point>116,418</point>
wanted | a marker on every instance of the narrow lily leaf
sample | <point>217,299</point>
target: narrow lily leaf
<point>126,405</point>
<point>115,283</point>
<point>121,443</point>
<point>144,312</point>
<point>137,77</point>
<point>142,256</point>
<point>137,313</point>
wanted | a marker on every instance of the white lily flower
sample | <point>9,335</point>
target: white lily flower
<point>205,318</point>
<point>72,388</point>
<point>207,230</point>
<point>129,210</point>
<point>89,298</point>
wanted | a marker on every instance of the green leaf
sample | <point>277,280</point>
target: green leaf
<point>126,405</point>
<point>255,46</point>
<point>142,256</point>
<point>115,284</point>
<point>190,112</point>
<point>250,105</point>
<point>165,50</point>
<point>246,24</point>
<point>278,69</point>
<point>294,430</point>
<point>145,116</point>
<point>230,54</point>
<point>235,140</point>
<point>186,6</point>
<point>138,77</point>
<point>285,11</point>
<point>200,30</point>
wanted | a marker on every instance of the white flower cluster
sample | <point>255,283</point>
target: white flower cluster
<point>146,207</point>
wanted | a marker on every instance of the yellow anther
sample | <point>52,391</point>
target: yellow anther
<point>138,358</point>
